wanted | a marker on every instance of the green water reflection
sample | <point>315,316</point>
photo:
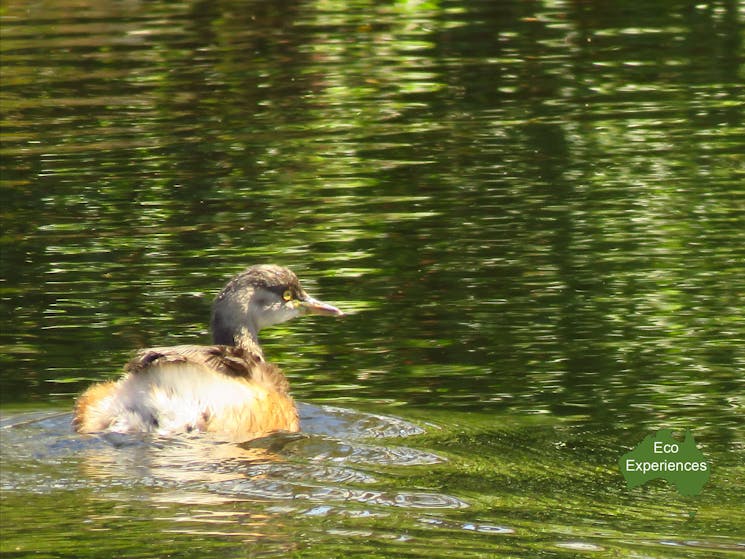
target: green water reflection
<point>533,211</point>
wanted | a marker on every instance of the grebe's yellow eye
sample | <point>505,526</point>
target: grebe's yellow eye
<point>287,295</point>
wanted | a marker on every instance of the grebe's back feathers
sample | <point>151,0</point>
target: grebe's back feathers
<point>178,389</point>
<point>231,361</point>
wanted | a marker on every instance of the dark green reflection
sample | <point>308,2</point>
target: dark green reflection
<point>530,209</point>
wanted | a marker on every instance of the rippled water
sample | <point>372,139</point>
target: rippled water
<point>279,467</point>
<point>354,484</point>
<point>532,212</point>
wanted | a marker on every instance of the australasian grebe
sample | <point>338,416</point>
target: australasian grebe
<point>227,388</point>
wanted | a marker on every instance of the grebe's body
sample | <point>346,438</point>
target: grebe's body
<point>228,388</point>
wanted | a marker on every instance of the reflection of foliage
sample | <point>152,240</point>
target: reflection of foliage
<point>540,210</point>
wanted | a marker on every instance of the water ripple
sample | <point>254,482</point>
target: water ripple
<point>326,464</point>
<point>281,490</point>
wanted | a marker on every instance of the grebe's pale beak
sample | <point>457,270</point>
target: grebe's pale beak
<point>309,305</point>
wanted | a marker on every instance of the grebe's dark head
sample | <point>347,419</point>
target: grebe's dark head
<point>259,297</point>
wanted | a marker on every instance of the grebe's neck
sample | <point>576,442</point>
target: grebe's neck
<point>247,341</point>
<point>234,318</point>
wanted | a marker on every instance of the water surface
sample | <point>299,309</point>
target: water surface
<point>533,213</point>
